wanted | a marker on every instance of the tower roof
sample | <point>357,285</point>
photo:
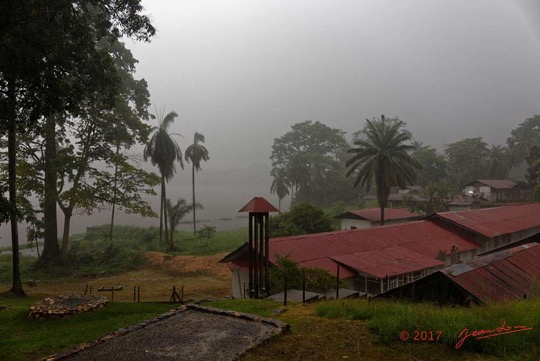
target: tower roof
<point>258,205</point>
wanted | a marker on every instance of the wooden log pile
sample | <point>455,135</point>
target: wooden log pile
<point>66,305</point>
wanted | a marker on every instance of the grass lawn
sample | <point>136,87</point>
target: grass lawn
<point>331,331</point>
<point>25,339</point>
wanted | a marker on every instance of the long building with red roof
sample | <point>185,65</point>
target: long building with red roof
<point>377,259</point>
<point>493,228</point>
<point>371,260</point>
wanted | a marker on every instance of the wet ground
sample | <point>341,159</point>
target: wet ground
<point>194,333</point>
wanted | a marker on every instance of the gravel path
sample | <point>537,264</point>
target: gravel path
<point>191,334</point>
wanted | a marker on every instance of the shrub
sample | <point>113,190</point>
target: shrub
<point>317,280</point>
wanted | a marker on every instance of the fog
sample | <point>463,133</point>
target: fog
<point>241,72</point>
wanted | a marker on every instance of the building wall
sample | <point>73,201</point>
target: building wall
<point>376,286</point>
<point>240,277</point>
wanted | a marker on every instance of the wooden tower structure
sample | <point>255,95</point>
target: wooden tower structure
<point>259,246</point>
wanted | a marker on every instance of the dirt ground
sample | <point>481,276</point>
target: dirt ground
<point>206,265</point>
<point>189,334</point>
<point>202,277</point>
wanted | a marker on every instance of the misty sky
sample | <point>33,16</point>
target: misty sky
<point>242,72</point>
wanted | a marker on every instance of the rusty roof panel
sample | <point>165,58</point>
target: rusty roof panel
<point>390,261</point>
<point>503,275</point>
<point>258,205</point>
<point>492,222</point>
<point>424,239</point>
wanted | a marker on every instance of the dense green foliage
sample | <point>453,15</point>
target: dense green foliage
<point>317,280</point>
<point>303,218</point>
<point>388,319</point>
<point>308,160</point>
<point>434,166</point>
<point>25,339</point>
<point>523,138</point>
<point>52,63</point>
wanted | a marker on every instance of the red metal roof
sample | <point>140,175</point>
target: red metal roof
<point>492,222</point>
<point>389,261</point>
<point>258,205</point>
<point>508,274</point>
<point>423,238</point>
<point>374,214</point>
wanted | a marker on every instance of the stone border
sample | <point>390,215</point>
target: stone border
<point>280,327</point>
<point>50,308</point>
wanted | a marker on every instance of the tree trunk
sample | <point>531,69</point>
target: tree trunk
<point>165,216</point>
<point>161,205</point>
<point>50,237</point>
<point>68,212</point>
<point>193,183</point>
<point>16,289</point>
<point>114,194</point>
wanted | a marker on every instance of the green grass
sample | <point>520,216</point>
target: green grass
<point>147,239</point>
<point>261,308</point>
<point>388,318</point>
<point>24,339</point>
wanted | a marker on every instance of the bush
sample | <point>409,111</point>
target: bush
<point>303,218</point>
<point>317,280</point>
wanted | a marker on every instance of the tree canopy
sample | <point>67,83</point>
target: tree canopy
<point>466,160</point>
<point>309,157</point>
<point>303,218</point>
<point>523,138</point>
<point>51,63</point>
<point>434,166</point>
<point>381,155</point>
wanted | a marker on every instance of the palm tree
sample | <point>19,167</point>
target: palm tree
<point>196,153</point>
<point>381,154</point>
<point>176,213</point>
<point>498,162</point>
<point>163,151</point>
<point>280,184</point>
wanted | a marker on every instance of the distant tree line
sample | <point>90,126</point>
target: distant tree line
<point>315,163</point>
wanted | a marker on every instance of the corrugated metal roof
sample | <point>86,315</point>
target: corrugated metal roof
<point>389,261</point>
<point>503,275</point>
<point>374,214</point>
<point>497,183</point>
<point>492,222</point>
<point>421,237</point>
<point>258,205</point>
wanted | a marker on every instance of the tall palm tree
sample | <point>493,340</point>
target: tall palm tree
<point>196,153</point>
<point>163,151</point>
<point>176,213</point>
<point>280,184</point>
<point>382,154</point>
